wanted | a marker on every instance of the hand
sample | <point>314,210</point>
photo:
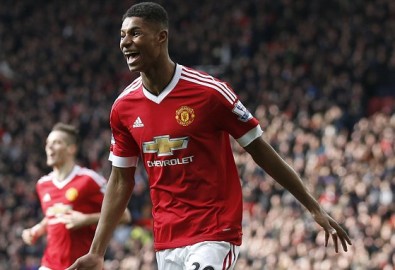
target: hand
<point>88,262</point>
<point>72,219</point>
<point>29,237</point>
<point>332,229</point>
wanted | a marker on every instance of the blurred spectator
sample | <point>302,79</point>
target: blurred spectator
<point>318,74</point>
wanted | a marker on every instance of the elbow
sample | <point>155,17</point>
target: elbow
<point>126,217</point>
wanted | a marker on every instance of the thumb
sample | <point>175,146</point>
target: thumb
<point>74,266</point>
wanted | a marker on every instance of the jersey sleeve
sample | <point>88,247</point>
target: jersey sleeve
<point>123,149</point>
<point>235,117</point>
<point>97,186</point>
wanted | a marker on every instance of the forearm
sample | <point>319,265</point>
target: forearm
<point>91,219</point>
<point>288,178</point>
<point>267,158</point>
<point>126,217</point>
<point>114,204</point>
<point>30,235</point>
<point>40,228</point>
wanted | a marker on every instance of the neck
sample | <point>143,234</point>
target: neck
<point>156,79</point>
<point>61,172</point>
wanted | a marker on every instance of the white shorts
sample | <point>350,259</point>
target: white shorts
<point>208,255</point>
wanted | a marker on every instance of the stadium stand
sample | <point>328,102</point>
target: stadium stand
<point>319,75</point>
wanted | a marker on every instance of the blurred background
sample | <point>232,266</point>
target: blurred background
<point>319,76</point>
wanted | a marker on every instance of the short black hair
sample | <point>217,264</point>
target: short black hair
<point>71,131</point>
<point>148,11</point>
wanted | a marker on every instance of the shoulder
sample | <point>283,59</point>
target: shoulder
<point>45,178</point>
<point>211,84</point>
<point>198,76</point>
<point>130,89</point>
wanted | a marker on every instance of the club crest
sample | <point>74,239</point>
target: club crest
<point>185,116</point>
<point>71,194</point>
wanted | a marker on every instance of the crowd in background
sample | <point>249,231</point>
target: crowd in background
<point>319,76</point>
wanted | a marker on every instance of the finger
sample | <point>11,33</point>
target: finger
<point>344,244</point>
<point>70,212</point>
<point>73,266</point>
<point>64,219</point>
<point>326,238</point>
<point>344,238</point>
<point>335,240</point>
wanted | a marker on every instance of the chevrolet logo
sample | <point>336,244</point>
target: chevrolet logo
<point>165,146</point>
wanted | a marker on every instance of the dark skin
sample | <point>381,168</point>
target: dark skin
<point>151,43</point>
<point>268,159</point>
<point>145,47</point>
<point>119,190</point>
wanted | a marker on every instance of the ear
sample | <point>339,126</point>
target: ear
<point>162,36</point>
<point>72,148</point>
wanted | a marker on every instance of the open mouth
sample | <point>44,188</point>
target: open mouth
<point>131,56</point>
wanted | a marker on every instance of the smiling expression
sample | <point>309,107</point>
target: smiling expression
<point>140,43</point>
<point>58,149</point>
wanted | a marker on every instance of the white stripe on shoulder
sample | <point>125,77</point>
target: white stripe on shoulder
<point>131,87</point>
<point>209,81</point>
<point>45,178</point>
<point>100,180</point>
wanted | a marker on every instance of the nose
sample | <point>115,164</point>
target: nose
<point>48,146</point>
<point>125,41</point>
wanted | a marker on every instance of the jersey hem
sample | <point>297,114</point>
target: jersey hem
<point>178,244</point>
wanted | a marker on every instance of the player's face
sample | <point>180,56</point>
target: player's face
<point>140,43</point>
<point>57,149</point>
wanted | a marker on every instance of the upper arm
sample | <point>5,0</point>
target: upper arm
<point>123,176</point>
<point>235,118</point>
<point>263,153</point>
<point>268,159</point>
<point>123,180</point>
<point>257,148</point>
<point>124,150</point>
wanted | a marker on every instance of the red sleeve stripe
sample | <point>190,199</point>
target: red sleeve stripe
<point>209,81</point>
<point>229,258</point>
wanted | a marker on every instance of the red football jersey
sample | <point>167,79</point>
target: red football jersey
<point>182,136</point>
<point>83,191</point>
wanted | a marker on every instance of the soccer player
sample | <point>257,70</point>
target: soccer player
<point>71,197</point>
<point>179,120</point>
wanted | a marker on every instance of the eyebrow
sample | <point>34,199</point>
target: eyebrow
<point>130,29</point>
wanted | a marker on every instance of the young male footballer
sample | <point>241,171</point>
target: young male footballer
<point>178,120</point>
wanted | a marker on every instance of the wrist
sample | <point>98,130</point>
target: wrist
<point>37,230</point>
<point>97,252</point>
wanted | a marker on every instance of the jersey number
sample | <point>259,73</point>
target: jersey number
<point>197,266</point>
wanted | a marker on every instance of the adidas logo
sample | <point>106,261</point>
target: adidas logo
<point>138,123</point>
<point>47,197</point>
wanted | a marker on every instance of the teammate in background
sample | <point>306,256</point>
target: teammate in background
<point>179,120</point>
<point>71,199</point>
